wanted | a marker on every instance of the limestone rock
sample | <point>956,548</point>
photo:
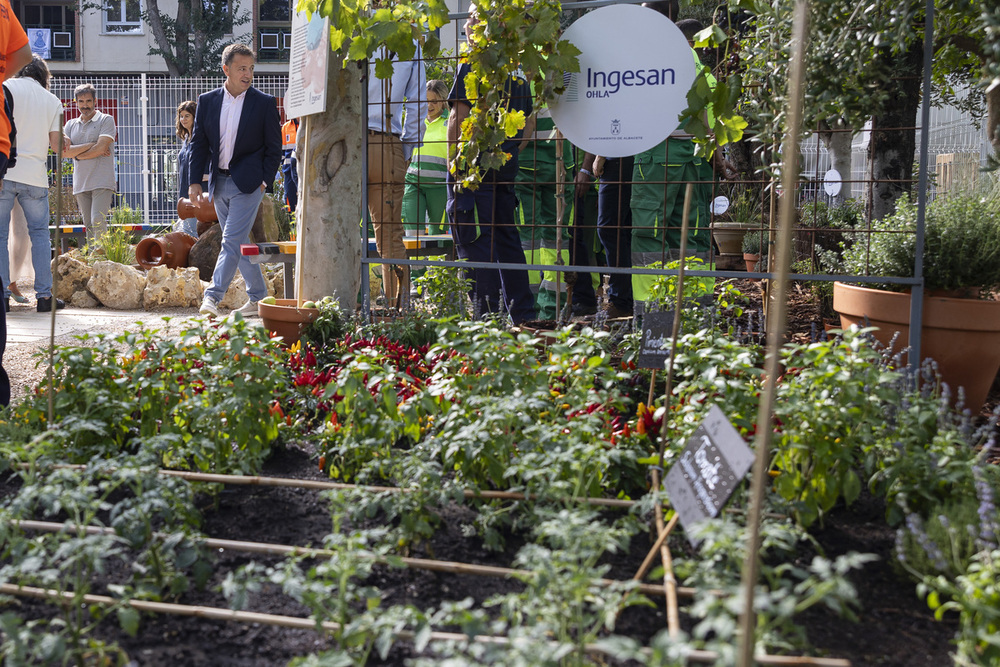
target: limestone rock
<point>205,253</point>
<point>265,225</point>
<point>117,286</point>
<point>71,275</point>
<point>83,299</point>
<point>236,295</point>
<point>172,288</point>
<point>277,284</point>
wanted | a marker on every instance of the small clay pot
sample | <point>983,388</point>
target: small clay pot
<point>170,250</point>
<point>284,319</point>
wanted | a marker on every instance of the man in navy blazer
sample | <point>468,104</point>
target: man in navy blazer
<point>237,141</point>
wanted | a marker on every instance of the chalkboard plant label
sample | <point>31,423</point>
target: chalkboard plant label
<point>713,463</point>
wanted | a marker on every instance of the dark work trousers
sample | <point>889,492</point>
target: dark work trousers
<point>614,226</point>
<point>491,238</point>
<point>4,380</point>
<point>582,252</point>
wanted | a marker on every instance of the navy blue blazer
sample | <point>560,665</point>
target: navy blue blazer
<point>257,152</point>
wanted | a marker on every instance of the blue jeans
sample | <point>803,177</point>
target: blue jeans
<point>237,211</point>
<point>35,204</point>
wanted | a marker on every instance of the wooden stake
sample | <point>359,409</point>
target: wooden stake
<point>775,334</point>
<point>450,567</point>
<point>218,614</point>
<point>648,561</point>
<point>245,480</point>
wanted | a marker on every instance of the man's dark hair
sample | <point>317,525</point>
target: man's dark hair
<point>669,8</point>
<point>690,27</point>
<point>85,89</point>
<point>234,50</point>
<point>37,70</point>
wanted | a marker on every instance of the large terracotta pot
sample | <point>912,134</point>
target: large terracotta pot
<point>729,236</point>
<point>170,249</point>
<point>961,335</point>
<point>284,319</point>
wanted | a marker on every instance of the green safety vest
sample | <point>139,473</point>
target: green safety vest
<point>429,162</point>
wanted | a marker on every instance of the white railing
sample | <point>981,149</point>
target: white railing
<point>144,107</point>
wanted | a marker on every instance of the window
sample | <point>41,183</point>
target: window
<point>123,16</point>
<point>274,30</point>
<point>56,16</point>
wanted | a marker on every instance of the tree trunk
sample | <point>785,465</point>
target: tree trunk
<point>838,143</point>
<point>160,36</point>
<point>993,117</point>
<point>893,141</point>
<point>330,149</point>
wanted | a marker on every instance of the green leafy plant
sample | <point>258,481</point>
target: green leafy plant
<point>114,245</point>
<point>445,292</point>
<point>961,251</point>
<point>752,244</point>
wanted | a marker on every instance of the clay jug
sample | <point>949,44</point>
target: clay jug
<point>170,250</point>
<point>203,210</point>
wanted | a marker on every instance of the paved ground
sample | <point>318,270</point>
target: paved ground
<point>26,325</point>
<point>28,334</point>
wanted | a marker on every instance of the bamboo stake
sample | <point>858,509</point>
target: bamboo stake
<point>775,333</point>
<point>248,480</point>
<point>450,567</point>
<point>50,371</point>
<point>669,582</point>
<point>218,614</point>
<point>560,210</point>
<point>648,561</point>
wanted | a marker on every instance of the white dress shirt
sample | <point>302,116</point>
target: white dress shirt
<point>229,123</point>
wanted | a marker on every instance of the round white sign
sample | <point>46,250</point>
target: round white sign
<point>720,205</point>
<point>832,183</point>
<point>636,68</point>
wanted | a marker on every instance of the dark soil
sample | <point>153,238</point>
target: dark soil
<point>895,628</point>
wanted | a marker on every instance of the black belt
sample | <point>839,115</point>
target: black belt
<point>225,172</point>
<point>388,134</point>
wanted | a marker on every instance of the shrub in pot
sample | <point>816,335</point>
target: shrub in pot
<point>754,249</point>
<point>961,263</point>
<point>744,213</point>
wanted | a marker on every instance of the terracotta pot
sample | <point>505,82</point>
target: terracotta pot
<point>751,259</point>
<point>284,319</point>
<point>729,236</point>
<point>170,250</point>
<point>961,335</point>
<point>203,210</point>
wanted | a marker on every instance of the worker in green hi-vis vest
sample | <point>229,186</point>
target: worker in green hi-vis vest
<point>660,177</point>
<point>425,190</point>
<point>537,193</point>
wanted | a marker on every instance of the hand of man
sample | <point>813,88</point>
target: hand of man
<point>194,193</point>
<point>583,181</point>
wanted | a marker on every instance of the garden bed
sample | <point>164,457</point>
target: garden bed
<point>375,411</point>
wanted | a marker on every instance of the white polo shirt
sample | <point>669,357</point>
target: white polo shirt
<point>36,113</point>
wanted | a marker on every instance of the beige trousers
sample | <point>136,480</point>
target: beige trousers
<point>386,168</point>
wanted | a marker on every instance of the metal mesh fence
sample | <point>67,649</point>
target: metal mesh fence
<point>144,108</point>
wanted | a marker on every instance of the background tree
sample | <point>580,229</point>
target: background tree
<point>190,42</point>
<point>865,62</point>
